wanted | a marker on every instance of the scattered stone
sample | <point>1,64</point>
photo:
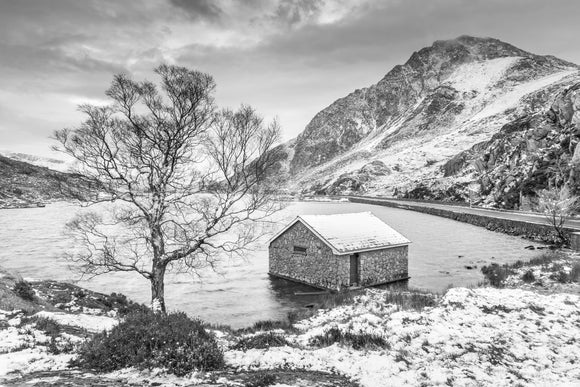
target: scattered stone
<point>470,267</point>
<point>530,247</point>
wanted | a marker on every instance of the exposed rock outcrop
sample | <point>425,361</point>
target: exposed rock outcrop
<point>533,152</point>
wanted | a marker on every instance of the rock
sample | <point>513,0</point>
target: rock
<point>470,267</point>
<point>530,247</point>
<point>375,168</point>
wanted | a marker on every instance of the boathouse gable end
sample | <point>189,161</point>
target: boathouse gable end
<point>326,251</point>
<point>318,266</point>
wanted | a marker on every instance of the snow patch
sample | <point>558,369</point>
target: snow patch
<point>91,323</point>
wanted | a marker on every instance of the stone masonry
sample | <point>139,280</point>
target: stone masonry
<point>320,267</point>
<point>382,266</point>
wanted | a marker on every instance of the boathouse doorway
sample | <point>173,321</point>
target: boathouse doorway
<point>354,272</point>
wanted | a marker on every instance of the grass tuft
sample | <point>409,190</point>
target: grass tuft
<point>261,341</point>
<point>354,340</point>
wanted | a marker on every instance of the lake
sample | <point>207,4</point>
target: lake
<point>32,243</point>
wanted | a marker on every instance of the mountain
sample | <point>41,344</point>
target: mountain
<point>48,162</point>
<point>23,184</point>
<point>398,135</point>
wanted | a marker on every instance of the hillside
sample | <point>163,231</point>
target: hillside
<point>24,185</point>
<point>398,134</point>
<point>40,161</point>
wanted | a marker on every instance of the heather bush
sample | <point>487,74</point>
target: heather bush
<point>528,276</point>
<point>560,276</point>
<point>151,340</point>
<point>24,290</point>
<point>495,274</point>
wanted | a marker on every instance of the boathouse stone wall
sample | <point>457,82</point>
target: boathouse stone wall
<point>382,266</point>
<point>318,267</point>
<point>321,268</point>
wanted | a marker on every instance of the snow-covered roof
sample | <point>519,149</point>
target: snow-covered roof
<point>350,233</point>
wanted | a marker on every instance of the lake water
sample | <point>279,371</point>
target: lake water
<point>32,243</point>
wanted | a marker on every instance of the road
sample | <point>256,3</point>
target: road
<point>527,217</point>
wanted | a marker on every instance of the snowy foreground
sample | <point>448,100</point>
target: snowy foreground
<point>474,336</point>
<point>481,336</point>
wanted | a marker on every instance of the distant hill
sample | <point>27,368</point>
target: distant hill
<point>23,184</point>
<point>49,162</point>
<point>399,135</point>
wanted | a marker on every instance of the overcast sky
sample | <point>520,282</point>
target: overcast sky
<point>287,58</point>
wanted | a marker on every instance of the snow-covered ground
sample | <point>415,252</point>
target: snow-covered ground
<point>24,347</point>
<point>470,337</point>
<point>473,337</point>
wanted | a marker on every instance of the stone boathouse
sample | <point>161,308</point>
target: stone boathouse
<point>336,251</point>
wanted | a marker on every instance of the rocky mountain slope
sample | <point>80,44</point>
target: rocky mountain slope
<point>23,184</point>
<point>533,152</point>
<point>399,134</point>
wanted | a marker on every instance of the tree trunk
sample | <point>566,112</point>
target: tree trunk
<point>158,288</point>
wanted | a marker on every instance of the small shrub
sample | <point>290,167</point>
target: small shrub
<point>125,306</point>
<point>260,341</point>
<point>48,326</point>
<point>560,276</point>
<point>260,379</point>
<point>402,356</point>
<point>575,272</point>
<point>496,274</point>
<point>24,290</point>
<point>546,258</point>
<point>355,340</point>
<point>149,340</point>
<point>528,276</point>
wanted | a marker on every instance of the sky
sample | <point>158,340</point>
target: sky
<point>287,58</point>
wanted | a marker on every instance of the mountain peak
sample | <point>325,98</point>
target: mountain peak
<point>463,49</point>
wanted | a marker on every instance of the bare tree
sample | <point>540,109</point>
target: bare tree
<point>557,205</point>
<point>193,181</point>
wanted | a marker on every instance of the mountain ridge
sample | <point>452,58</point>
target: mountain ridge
<point>444,99</point>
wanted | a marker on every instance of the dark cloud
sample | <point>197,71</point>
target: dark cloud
<point>199,9</point>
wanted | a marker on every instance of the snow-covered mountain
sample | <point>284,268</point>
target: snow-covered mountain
<point>400,133</point>
<point>40,161</point>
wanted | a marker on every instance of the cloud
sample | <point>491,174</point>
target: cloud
<point>199,9</point>
<point>289,58</point>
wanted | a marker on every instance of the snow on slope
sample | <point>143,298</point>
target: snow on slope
<point>477,76</point>
<point>510,99</point>
<point>489,103</point>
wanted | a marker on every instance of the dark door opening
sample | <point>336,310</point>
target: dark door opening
<point>354,269</point>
